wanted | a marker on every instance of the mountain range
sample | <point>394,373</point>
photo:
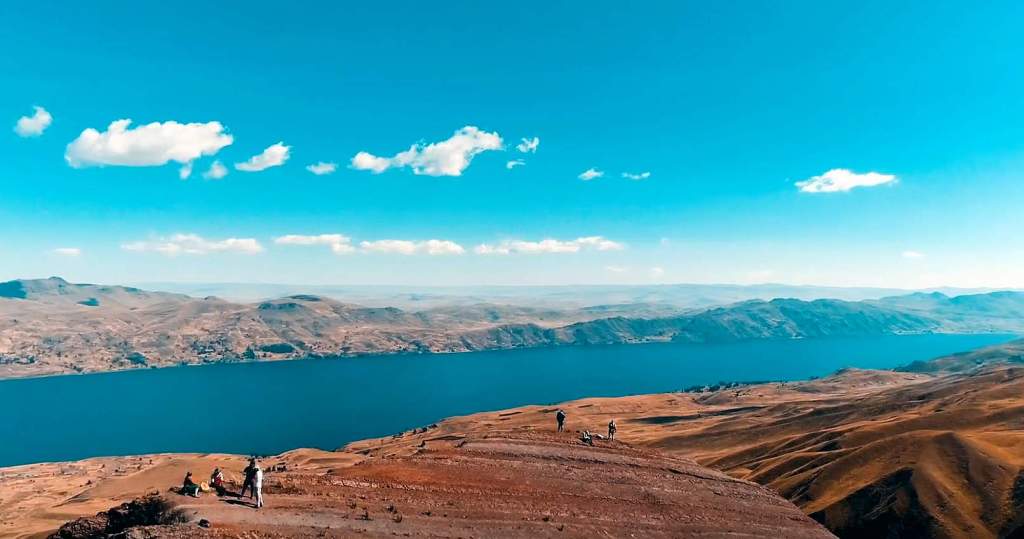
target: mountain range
<point>51,326</point>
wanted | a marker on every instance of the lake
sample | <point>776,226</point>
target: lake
<point>267,408</point>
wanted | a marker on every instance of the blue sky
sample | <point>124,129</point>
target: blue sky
<point>727,106</point>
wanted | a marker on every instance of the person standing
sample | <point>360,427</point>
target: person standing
<point>249,472</point>
<point>257,485</point>
<point>560,417</point>
<point>611,429</point>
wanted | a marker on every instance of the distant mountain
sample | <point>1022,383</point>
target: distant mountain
<point>1011,352</point>
<point>50,326</point>
<point>775,319</point>
<point>57,291</point>
<point>990,312</point>
<point>668,296</point>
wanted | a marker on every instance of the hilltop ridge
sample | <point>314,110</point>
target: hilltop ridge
<point>498,483</point>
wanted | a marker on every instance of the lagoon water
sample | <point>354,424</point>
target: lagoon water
<point>266,408</point>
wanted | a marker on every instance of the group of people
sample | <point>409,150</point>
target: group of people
<point>586,437</point>
<point>253,482</point>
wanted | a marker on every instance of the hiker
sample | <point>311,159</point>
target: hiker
<point>587,438</point>
<point>217,480</point>
<point>560,417</point>
<point>257,485</point>
<point>249,472</point>
<point>189,487</point>
<point>611,429</point>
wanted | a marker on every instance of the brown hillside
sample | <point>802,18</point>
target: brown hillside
<point>502,484</point>
<point>867,453</point>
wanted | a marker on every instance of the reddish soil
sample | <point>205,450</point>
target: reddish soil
<point>501,484</point>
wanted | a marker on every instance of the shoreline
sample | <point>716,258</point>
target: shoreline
<point>344,401</point>
<point>406,353</point>
<point>54,490</point>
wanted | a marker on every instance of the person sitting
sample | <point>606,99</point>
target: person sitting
<point>587,438</point>
<point>189,487</point>
<point>217,480</point>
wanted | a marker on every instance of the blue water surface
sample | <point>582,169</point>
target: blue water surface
<point>267,408</point>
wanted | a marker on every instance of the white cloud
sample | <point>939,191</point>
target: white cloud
<point>274,156</point>
<point>912,254</point>
<point>590,174</point>
<point>366,161</point>
<point>321,168</point>
<point>597,243</point>
<point>514,163</point>
<point>339,244</point>
<point>148,145</point>
<point>657,272</point>
<point>446,158</point>
<point>616,269</point>
<point>632,176</point>
<point>216,171</point>
<point>842,180</point>
<point>442,247</point>
<point>67,251</point>
<point>185,171</point>
<point>528,145</point>
<point>33,126</point>
<point>406,247</point>
<point>193,244</point>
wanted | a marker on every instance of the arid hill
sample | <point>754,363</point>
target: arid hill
<point>50,326</point>
<point>1001,354</point>
<point>494,484</point>
<point>865,453</point>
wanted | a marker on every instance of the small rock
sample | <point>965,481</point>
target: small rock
<point>203,523</point>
